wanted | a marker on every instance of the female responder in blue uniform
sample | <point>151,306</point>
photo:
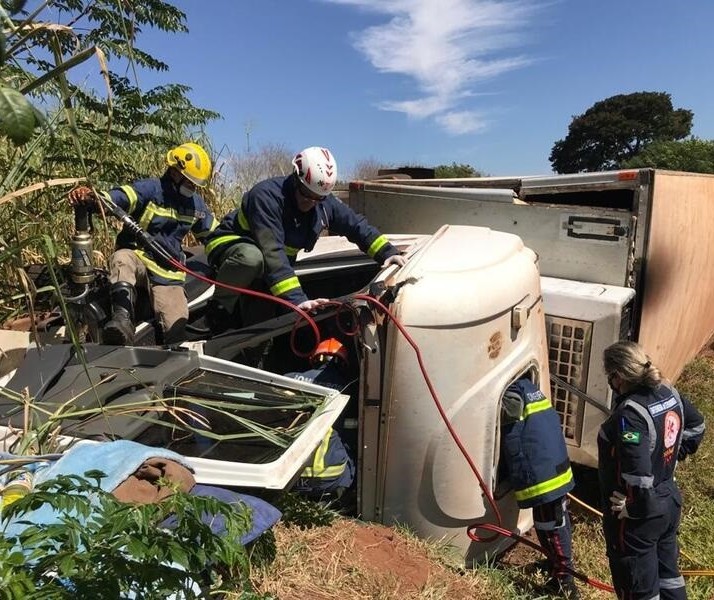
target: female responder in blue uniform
<point>651,427</point>
<point>276,218</point>
<point>536,457</point>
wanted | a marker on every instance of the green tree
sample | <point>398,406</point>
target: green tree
<point>693,155</point>
<point>617,129</point>
<point>454,171</point>
<point>94,131</point>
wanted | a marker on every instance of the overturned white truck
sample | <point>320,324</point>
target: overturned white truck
<point>470,298</point>
<point>623,255</point>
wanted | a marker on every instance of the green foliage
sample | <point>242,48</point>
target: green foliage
<point>693,155</point>
<point>17,116</point>
<point>617,129</point>
<point>101,548</point>
<point>301,512</point>
<point>455,171</point>
<point>108,136</point>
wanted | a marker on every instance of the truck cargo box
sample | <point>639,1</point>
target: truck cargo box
<point>646,230</point>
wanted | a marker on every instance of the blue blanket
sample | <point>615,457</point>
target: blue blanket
<point>118,460</point>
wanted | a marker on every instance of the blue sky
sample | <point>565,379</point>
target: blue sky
<point>491,84</point>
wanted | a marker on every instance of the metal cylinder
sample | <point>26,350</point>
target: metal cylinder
<point>82,266</point>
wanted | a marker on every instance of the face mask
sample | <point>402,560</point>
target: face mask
<point>185,190</point>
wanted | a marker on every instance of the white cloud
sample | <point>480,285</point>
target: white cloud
<point>461,122</point>
<point>446,47</point>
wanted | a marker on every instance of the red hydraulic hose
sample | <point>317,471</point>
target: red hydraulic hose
<point>497,529</point>
<point>303,314</point>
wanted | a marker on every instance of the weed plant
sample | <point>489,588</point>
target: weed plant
<point>101,548</point>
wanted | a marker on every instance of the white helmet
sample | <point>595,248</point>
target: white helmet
<point>316,168</point>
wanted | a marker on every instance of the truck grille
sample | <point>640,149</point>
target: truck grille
<point>569,343</point>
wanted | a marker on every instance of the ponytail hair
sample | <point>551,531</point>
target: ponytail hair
<point>631,363</point>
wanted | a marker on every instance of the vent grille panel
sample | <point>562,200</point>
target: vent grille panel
<point>569,343</point>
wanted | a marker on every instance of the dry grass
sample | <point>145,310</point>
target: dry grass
<point>354,561</point>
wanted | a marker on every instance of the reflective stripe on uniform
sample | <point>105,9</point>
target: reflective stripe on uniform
<point>219,241</point>
<point>640,481</point>
<point>645,414</point>
<point>535,407</point>
<point>131,194</point>
<point>203,234</point>
<point>284,286</point>
<point>154,210</point>
<point>290,251</point>
<point>377,245</point>
<point>545,525</point>
<point>318,468</point>
<point>242,220</point>
<point>547,486</point>
<point>671,583</point>
<point>693,432</point>
<point>152,266</point>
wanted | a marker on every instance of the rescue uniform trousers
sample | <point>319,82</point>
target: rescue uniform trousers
<point>242,265</point>
<point>643,555</point>
<point>552,525</point>
<point>168,301</point>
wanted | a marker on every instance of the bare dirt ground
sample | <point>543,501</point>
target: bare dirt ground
<point>355,560</point>
<point>351,559</point>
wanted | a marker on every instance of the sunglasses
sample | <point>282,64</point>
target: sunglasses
<point>309,194</point>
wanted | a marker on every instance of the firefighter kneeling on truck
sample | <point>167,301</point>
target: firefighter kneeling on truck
<point>330,471</point>
<point>534,451</point>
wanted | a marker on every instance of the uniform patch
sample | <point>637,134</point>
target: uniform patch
<point>631,437</point>
<point>533,396</point>
<point>672,425</point>
<point>659,407</point>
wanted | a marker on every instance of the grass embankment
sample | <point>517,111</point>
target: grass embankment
<point>349,561</point>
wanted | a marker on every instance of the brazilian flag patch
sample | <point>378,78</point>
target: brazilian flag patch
<point>631,437</point>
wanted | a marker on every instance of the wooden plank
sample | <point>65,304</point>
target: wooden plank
<point>678,303</point>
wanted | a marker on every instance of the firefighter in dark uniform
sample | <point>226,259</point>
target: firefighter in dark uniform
<point>331,469</point>
<point>650,429</point>
<point>257,244</point>
<point>536,457</point>
<point>168,208</point>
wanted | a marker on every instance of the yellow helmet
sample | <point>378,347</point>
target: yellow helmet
<point>192,161</point>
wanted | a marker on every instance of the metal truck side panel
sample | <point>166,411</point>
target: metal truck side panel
<point>582,243</point>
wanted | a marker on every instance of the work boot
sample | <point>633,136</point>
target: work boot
<point>569,590</point>
<point>119,330</point>
<point>218,318</point>
<point>564,588</point>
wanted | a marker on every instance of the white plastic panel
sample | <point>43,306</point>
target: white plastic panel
<point>461,319</point>
<point>278,473</point>
<point>582,320</point>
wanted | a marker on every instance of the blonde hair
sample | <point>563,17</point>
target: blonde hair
<point>631,363</point>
